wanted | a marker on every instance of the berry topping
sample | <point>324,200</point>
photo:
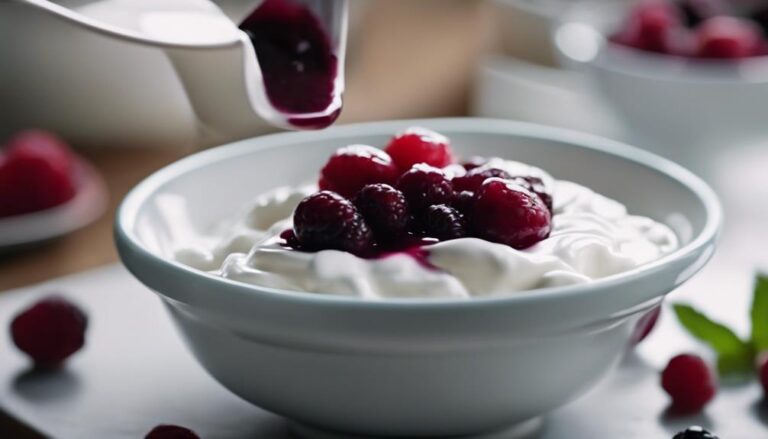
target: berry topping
<point>651,26</point>
<point>510,214</point>
<point>50,331</point>
<point>695,432</point>
<point>171,432</point>
<point>463,202</point>
<point>352,167</point>
<point>444,223</point>
<point>538,187</point>
<point>763,372</point>
<point>475,177</point>
<point>424,186</point>
<point>384,209</point>
<point>325,220</point>
<point>689,382</point>
<point>420,145</point>
<point>474,162</point>
<point>728,37</point>
<point>36,173</point>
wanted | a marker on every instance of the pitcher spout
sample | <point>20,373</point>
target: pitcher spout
<point>287,70</point>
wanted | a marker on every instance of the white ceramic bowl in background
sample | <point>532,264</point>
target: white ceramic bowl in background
<point>513,88</point>
<point>419,366</point>
<point>685,109</point>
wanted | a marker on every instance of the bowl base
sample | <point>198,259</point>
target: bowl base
<point>522,430</point>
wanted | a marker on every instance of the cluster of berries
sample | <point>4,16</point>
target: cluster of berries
<point>374,200</point>
<point>695,28</point>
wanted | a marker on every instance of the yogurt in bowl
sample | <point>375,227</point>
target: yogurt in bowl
<point>408,364</point>
<point>590,237</point>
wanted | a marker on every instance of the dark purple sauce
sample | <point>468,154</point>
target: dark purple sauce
<point>296,59</point>
<point>413,246</point>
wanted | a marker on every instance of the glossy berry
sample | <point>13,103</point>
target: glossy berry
<point>538,187</point>
<point>689,382</point>
<point>326,220</point>
<point>444,223</point>
<point>424,186</point>
<point>475,177</point>
<point>37,172</point>
<point>763,372</point>
<point>728,37</point>
<point>171,432</point>
<point>352,167</point>
<point>652,25</point>
<point>384,209</point>
<point>464,201</point>
<point>509,214</point>
<point>420,145</point>
<point>50,331</point>
<point>694,432</point>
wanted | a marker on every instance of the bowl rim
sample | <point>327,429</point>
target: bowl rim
<point>129,245</point>
<point>631,61</point>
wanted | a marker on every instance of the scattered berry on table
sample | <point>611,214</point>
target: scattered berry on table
<point>50,331</point>
<point>690,382</point>
<point>694,432</point>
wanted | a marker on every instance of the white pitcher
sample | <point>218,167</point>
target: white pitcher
<point>144,72</point>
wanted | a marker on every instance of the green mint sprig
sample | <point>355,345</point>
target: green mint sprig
<point>734,355</point>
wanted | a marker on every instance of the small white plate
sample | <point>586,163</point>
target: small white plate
<point>88,204</point>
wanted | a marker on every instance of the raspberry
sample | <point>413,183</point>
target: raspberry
<point>538,187</point>
<point>424,186</point>
<point>652,25</point>
<point>50,331</point>
<point>325,220</point>
<point>445,223</point>
<point>763,372</point>
<point>728,37</point>
<point>352,167</point>
<point>475,177</point>
<point>171,432</point>
<point>689,382</point>
<point>695,432</point>
<point>509,214</point>
<point>464,201</point>
<point>645,325</point>
<point>36,173</point>
<point>384,209</point>
<point>420,145</point>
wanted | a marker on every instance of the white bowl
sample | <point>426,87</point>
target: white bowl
<point>685,109</point>
<point>413,366</point>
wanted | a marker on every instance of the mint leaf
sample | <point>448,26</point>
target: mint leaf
<point>759,314</point>
<point>734,355</point>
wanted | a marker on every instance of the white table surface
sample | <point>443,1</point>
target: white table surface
<point>135,373</point>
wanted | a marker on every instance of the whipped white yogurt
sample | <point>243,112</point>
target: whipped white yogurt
<point>592,237</point>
